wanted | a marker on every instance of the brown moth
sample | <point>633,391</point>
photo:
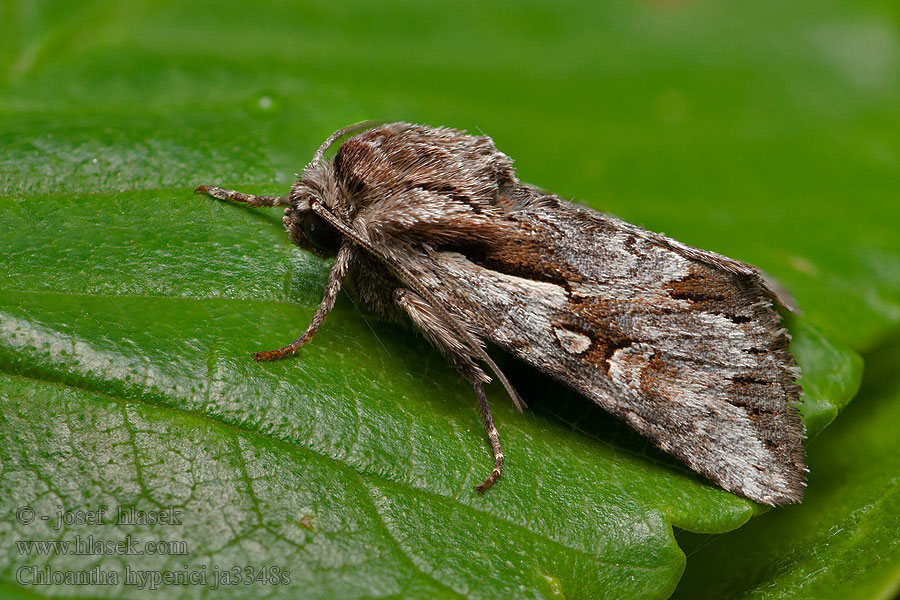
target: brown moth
<point>432,225</point>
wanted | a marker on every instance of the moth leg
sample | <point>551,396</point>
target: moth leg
<point>404,273</point>
<point>458,353</point>
<point>338,271</point>
<point>223,194</point>
<point>493,436</point>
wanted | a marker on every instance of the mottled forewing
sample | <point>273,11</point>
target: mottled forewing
<point>682,344</point>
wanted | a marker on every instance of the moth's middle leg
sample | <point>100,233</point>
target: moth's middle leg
<point>338,271</point>
<point>444,337</point>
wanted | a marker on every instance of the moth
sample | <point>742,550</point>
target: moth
<point>431,225</point>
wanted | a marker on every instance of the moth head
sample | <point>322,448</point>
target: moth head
<point>310,231</point>
<point>318,185</point>
<point>306,228</point>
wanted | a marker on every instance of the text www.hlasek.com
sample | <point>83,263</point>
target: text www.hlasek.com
<point>90,546</point>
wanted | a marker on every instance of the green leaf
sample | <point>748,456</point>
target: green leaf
<point>842,541</point>
<point>129,307</point>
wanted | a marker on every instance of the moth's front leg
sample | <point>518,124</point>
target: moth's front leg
<point>223,194</point>
<point>443,336</point>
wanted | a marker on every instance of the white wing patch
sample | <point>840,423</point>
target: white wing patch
<point>571,341</point>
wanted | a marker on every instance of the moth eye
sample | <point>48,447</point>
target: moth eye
<point>320,233</point>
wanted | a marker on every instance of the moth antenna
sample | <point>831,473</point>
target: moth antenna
<point>341,133</point>
<point>473,344</point>
<point>223,194</point>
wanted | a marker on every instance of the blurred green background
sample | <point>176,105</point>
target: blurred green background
<point>129,307</point>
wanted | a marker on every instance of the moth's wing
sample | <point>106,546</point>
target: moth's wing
<point>682,344</point>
